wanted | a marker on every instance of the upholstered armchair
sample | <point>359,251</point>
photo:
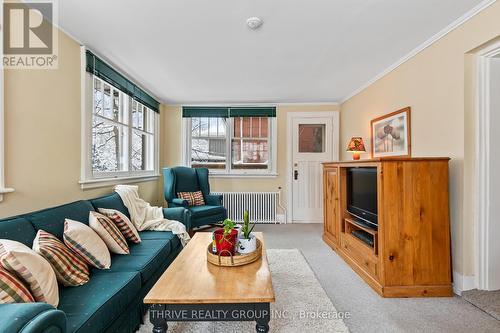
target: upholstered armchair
<point>182,179</point>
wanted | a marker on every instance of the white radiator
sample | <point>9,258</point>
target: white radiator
<point>262,206</point>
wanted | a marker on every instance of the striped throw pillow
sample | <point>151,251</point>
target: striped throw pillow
<point>70,269</point>
<point>82,240</point>
<point>12,290</point>
<point>32,269</point>
<point>193,198</point>
<point>123,223</point>
<point>109,233</point>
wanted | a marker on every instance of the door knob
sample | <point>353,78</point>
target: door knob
<point>296,174</point>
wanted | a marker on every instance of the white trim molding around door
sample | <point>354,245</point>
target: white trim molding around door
<point>3,189</point>
<point>335,116</point>
<point>487,272</point>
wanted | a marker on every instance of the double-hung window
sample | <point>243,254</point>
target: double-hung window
<point>121,128</point>
<point>231,140</point>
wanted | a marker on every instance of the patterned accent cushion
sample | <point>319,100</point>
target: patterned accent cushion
<point>123,223</point>
<point>82,240</point>
<point>109,233</point>
<point>32,269</point>
<point>12,290</point>
<point>193,198</point>
<point>70,269</point>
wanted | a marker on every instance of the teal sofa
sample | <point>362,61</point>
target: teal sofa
<point>183,179</point>
<point>112,300</point>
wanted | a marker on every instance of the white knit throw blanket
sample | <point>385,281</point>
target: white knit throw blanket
<point>146,217</point>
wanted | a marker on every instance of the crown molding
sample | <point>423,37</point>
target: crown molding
<point>255,104</point>
<point>455,24</point>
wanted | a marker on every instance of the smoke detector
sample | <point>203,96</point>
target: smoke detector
<point>254,23</point>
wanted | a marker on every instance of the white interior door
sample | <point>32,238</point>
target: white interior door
<point>314,140</point>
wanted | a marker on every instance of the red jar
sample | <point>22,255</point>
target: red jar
<point>225,245</point>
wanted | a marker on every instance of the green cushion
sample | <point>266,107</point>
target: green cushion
<point>19,230</point>
<point>95,305</point>
<point>187,180</point>
<point>144,257</point>
<point>201,211</point>
<point>52,219</point>
<point>110,201</point>
<point>31,318</point>
<point>167,235</point>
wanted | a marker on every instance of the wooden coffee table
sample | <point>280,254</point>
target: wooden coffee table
<point>192,289</point>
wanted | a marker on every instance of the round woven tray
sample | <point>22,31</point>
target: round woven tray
<point>236,260</point>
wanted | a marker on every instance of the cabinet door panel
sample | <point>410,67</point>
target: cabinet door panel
<point>331,203</point>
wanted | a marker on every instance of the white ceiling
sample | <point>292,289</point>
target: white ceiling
<point>201,51</point>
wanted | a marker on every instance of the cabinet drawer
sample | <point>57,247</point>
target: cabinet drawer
<point>362,255</point>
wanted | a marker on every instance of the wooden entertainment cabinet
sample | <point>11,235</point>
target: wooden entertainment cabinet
<point>410,255</point>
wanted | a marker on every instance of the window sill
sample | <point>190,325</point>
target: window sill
<point>243,175</point>
<point>106,182</point>
<point>5,191</point>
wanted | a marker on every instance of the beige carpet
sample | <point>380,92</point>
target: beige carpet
<point>488,301</point>
<point>301,303</point>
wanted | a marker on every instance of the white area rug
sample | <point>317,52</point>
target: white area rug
<point>301,303</point>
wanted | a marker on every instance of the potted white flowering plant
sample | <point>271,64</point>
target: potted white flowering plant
<point>247,242</point>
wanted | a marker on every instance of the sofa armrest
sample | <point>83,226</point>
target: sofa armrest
<point>31,318</point>
<point>213,200</point>
<point>177,202</point>
<point>178,214</point>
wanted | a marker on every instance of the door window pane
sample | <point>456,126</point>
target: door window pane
<point>311,138</point>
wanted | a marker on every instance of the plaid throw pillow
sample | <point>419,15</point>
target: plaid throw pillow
<point>70,269</point>
<point>82,240</point>
<point>193,198</point>
<point>123,223</point>
<point>12,290</point>
<point>109,233</point>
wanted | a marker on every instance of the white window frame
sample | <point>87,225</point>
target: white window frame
<point>88,179</point>
<point>3,189</point>
<point>228,172</point>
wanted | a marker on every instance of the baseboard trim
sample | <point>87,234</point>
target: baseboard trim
<point>463,283</point>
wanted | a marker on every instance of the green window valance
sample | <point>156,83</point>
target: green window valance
<point>102,70</point>
<point>226,112</point>
<point>202,111</point>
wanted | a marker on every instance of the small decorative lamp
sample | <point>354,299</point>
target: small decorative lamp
<point>356,145</point>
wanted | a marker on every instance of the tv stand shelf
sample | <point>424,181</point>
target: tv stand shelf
<point>352,225</point>
<point>408,255</point>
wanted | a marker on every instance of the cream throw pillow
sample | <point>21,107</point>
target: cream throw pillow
<point>109,233</point>
<point>32,269</point>
<point>81,239</point>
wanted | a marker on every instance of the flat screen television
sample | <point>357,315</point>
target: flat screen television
<point>362,195</point>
